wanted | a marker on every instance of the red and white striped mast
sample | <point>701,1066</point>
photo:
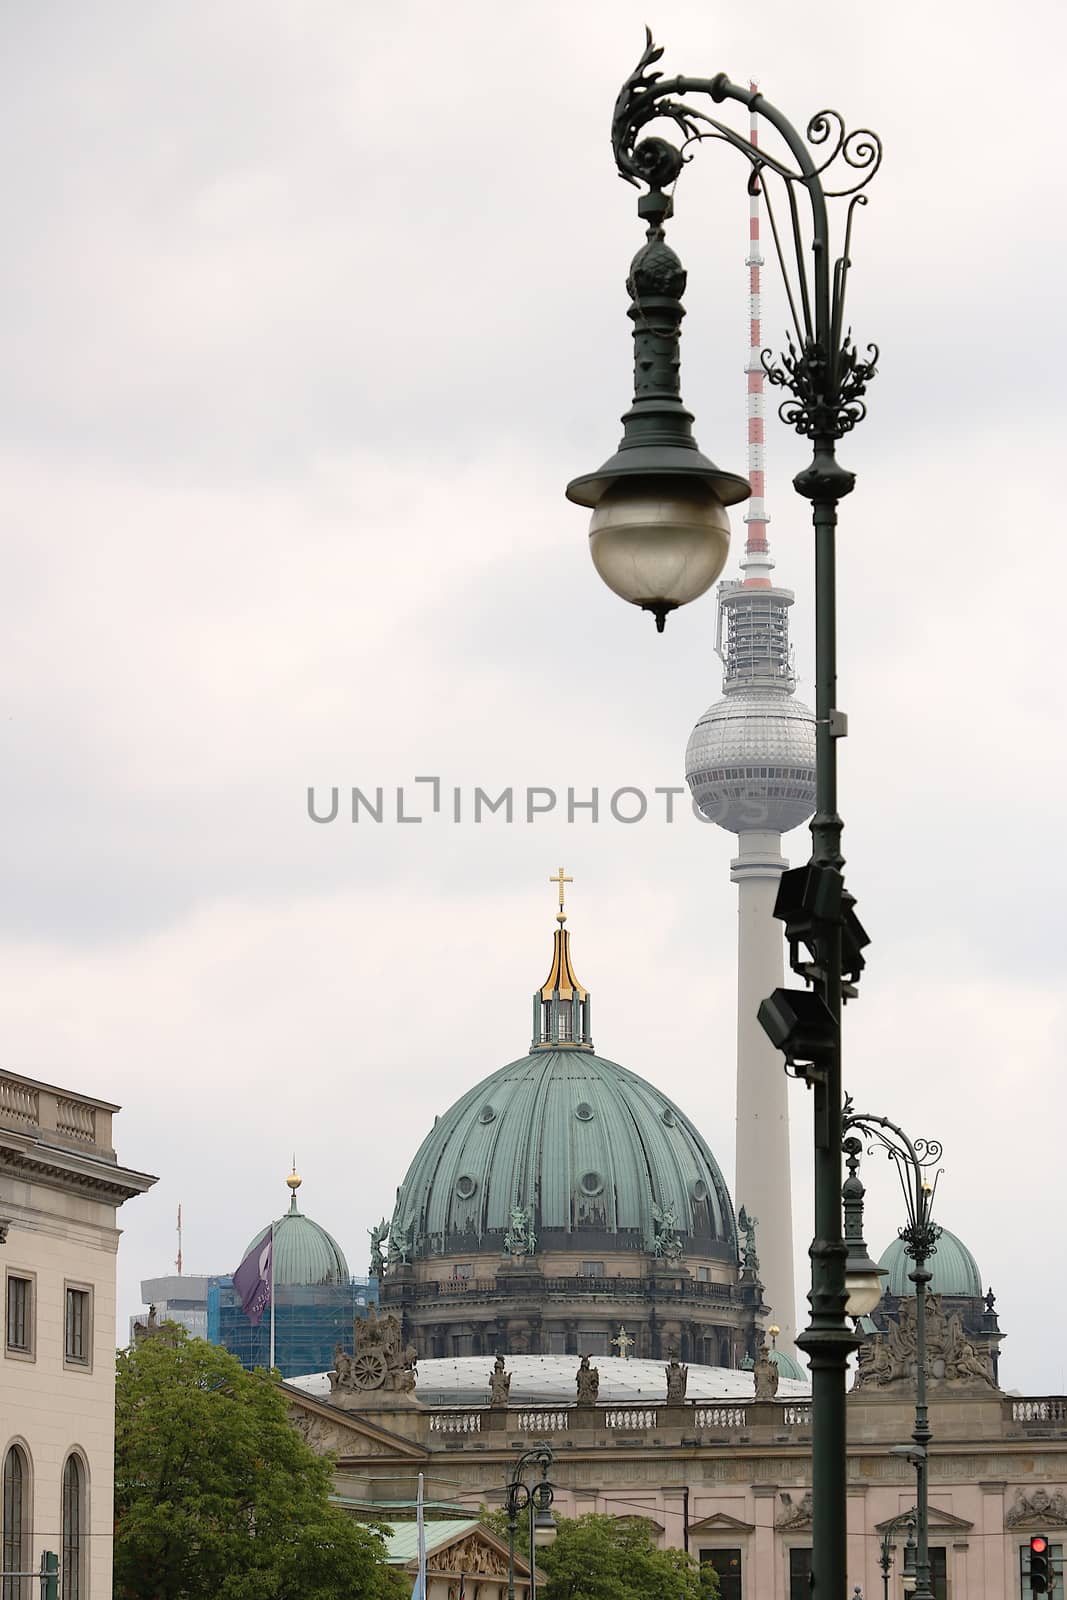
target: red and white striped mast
<point>756,563</point>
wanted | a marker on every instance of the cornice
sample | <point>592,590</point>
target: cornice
<point>26,1157</point>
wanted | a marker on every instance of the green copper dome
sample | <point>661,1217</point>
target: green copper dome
<point>595,1156</point>
<point>304,1253</point>
<point>953,1269</point>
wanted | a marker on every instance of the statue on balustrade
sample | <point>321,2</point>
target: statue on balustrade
<point>499,1383</point>
<point>677,1379</point>
<point>765,1372</point>
<point>588,1383</point>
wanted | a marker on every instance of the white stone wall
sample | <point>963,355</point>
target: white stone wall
<point>48,1406</point>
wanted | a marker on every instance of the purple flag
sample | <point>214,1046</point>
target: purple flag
<point>252,1280</point>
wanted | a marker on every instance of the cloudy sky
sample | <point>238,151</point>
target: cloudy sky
<point>308,314</point>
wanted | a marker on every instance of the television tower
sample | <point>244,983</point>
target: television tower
<point>750,764</point>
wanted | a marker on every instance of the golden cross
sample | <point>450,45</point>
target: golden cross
<point>560,880</point>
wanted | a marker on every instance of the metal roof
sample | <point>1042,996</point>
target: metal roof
<point>402,1538</point>
<point>578,1141</point>
<point>304,1253</point>
<point>953,1269</point>
<point>464,1380</point>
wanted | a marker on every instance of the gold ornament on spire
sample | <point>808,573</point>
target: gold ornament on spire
<point>294,1180</point>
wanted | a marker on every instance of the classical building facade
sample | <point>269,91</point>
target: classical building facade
<point>729,1478</point>
<point>566,1206</point>
<point>60,1188</point>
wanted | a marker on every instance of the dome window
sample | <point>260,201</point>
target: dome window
<point>566,1031</point>
<point>699,1190</point>
<point>487,1114</point>
<point>591,1183</point>
<point>667,1117</point>
<point>465,1187</point>
<point>583,1111</point>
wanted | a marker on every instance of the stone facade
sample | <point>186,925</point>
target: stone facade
<point>734,1479</point>
<point>60,1187</point>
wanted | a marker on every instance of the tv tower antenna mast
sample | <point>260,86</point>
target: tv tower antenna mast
<point>750,764</point>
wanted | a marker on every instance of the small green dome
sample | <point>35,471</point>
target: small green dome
<point>953,1269</point>
<point>304,1253</point>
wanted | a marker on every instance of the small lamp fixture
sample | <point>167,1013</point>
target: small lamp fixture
<point>863,1277</point>
<point>659,534</point>
<point>909,1575</point>
<point>544,1523</point>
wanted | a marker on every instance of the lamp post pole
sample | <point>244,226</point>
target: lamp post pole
<point>657,539</point>
<point>519,1497</point>
<point>913,1160</point>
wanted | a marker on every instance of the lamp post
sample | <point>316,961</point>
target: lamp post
<point>658,537</point>
<point>915,1162</point>
<point>519,1496</point>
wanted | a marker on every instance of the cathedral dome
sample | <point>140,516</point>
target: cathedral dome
<point>953,1269</point>
<point>597,1158</point>
<point>750,761</point>
<point>304,1253</point>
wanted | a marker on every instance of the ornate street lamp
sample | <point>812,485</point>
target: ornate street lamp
<point>519,1496</point>
<point>658,537</point>
<point>916,1162</point>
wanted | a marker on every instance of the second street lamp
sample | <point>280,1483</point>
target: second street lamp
<point>915,1160</point>
<point>519,1496</point>
<point>658,537</point>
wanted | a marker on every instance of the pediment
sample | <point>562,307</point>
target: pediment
<point>719,1522</point>
<point>472,1552</point>
<point>942,1521</point>
<point>330,1431</point>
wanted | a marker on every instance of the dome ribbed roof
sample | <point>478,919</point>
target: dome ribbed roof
<point>586,1147</point>
<point>953,1269</point>
<point>304,1253</point>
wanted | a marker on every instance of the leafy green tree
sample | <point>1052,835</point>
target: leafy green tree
<point>597,1557</point>
<point>217,1497</point>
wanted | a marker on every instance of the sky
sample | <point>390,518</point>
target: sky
<point>308,315</point>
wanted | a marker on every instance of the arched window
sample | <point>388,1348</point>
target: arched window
<point>71,1557</point>
<point>15,1524</point>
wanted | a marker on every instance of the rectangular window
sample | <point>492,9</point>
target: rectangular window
<point>703,1274</point>
<point>1055,1563</point>
<point>592,1269</point>
<point>939,1571</point>
<point>593,1343</point>
<point>462,1344</point>
<point>800,1574</point>
<point>557,1344</point>
<point>727,1563</point>
<point>78,1326</point>
<point>463,1269</point>
<point>19,1323</point>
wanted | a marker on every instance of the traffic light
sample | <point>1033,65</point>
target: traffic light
<point>1039,1565</point>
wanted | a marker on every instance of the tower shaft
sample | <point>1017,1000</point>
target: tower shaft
<point>762,1183</point>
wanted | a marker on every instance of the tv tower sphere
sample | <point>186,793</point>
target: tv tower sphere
<point>750,761</point>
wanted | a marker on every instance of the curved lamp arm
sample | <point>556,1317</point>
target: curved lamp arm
<point>822,370</point>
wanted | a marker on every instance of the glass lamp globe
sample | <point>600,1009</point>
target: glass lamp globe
<point>544,1528</point>
<point>863,1281</point>
<point>659,542</point>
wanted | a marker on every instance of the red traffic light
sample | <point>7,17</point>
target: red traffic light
<point>1038,1544</point>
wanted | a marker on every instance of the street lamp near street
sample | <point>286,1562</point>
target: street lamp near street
<point>658,537</point>
<point>535,1499</point>
<point>916,1163</point>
